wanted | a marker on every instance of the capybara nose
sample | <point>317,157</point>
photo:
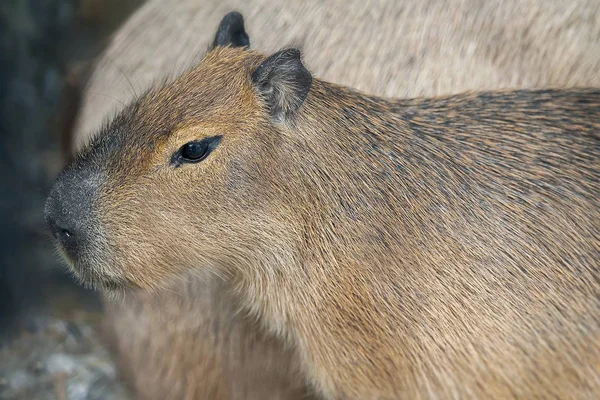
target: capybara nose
<point>58,215</point>
<point>69,208</point>
<point>61,229</point>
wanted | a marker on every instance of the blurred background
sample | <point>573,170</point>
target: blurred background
<point>48,324</point>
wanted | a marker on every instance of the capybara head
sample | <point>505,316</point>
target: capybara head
<point>182,177</point>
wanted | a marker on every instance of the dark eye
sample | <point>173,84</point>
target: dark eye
<point>196,151</point>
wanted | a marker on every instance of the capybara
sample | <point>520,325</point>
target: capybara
<point>434,247</point>
<point>391,48</point>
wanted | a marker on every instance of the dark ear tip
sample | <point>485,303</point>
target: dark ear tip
<point>233,18</point>
<point>231,31</point>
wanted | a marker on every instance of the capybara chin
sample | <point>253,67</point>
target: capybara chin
<point>444,247</point>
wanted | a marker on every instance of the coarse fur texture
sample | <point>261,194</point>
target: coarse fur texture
<point>443,247</point>
<point>401,49</point>
<point>213,353</point>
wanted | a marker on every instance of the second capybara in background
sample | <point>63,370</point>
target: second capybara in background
<point>384,47</point>
<point>390,48</point>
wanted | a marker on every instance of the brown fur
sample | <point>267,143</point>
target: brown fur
<point>164,356</point>
<point>419,248</point>
<point>389,48</point>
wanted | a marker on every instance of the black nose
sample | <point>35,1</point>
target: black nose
<point>61,227</point>
<point>68,210</point>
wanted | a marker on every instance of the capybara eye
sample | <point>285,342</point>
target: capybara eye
<point>195,151</point>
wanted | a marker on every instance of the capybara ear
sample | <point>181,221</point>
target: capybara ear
<point>283,82</point>
<point>231,32</point>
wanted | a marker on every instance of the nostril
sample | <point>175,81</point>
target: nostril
<point>67,238</point>
<point>64,235</point>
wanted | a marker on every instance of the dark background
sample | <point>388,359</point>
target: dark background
<point>49,342</point>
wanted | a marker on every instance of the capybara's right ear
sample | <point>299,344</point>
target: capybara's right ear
<point>283,82</point>
<point>231,32</point>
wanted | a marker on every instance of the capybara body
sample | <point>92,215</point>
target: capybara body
<point>389,48</point>
<point>443,247</point>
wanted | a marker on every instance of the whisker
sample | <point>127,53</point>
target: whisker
<point>109,96</point>
<point>124,74</point>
